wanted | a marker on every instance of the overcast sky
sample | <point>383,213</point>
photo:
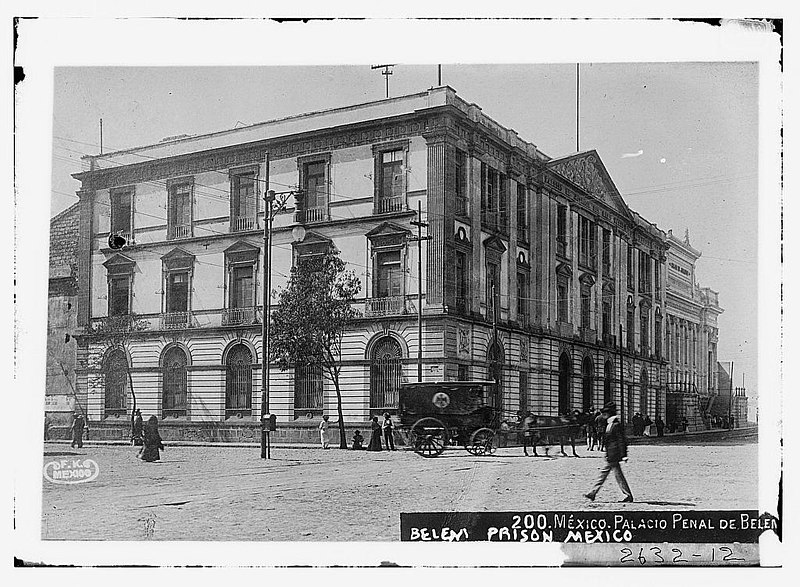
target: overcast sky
<point>680,140</point>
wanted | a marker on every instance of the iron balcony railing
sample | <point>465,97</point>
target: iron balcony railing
<point>388,306</point>
<point>391,204</point>
<point>175,320</point>
<point>180,231</point>
<point>240,316</point>
<point>239,223</point>
<point>315,214</point>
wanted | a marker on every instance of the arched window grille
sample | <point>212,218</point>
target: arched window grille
<point>239,381</point>
<point>173,395</point>
<point>115,375</point>
<point>386,372</point>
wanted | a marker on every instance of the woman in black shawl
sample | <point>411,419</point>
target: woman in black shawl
<point>138,430</point>
<point>375,439</point>
<point>152,441</point>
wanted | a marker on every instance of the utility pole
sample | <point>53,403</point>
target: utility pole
<point>101,136</point>
<point>621,380</point>
<point>440,75</point>
<point>385,73</point>
<point>419,224</point>
<point>578,108</point>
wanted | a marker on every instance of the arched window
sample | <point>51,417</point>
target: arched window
<point>239,381</point>
<point>587,383</point>
<point>309,389</point>
<point>115,375</point>
<point>643,393</point>
<point>564,383</point>
<point>496,357</point>
<point>608,383</point>
<point>173,394</point>
<point>386,373</point>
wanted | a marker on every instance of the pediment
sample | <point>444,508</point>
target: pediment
<point>587,171</point>
<point>495,244</point>
<point>242,252</point>
<point>388,234</point>
<point>177,258</point>
<point>313,244</point>
<point>119,263</point>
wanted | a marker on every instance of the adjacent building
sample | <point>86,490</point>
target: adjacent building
<point>535,272</point>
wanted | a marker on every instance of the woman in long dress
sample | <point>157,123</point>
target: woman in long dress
<point>152,441</point>
<point>375,439</point>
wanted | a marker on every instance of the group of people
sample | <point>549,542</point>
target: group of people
<point>147,437</point>
<point>379,430</point>
<point>595,429</point>
<point>725,421</point>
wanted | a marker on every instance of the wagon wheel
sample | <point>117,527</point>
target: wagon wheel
<point>428,437</point>
<point>482,442</point>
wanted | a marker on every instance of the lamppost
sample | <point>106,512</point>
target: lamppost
<point>275,202</point>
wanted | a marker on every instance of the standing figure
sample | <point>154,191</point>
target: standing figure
<point>659,426</point>
<point>152,441</point>
<point>323,431</point>
<point>684,424</point>
<point>616,451</point>
<point>589,428</point>
<point>375,438</point>
<point>388,431</point>
<point>137,438</point>
<point>600,423</point>
<point>78,424</point>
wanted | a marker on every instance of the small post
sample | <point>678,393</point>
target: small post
<point>440,74</point>
<point>101,136</point>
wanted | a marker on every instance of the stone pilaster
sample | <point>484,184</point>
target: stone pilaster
<point>84,256</point>
<point>436,194</point>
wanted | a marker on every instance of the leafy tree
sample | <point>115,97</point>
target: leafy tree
<point>117,332</point>
<point>311,316</point>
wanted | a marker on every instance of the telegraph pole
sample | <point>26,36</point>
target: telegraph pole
<point>385,73</point>
<point>101,136</point>
<point>621,379</point>
<point>265,449</point>
<point>419,224</point>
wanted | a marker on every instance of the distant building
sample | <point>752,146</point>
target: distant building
<point>536,275</point>
<point>62,316</point>
<point>691,338</point>
<point>730,400</point>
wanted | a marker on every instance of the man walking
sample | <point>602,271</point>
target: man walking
<point>78,424</point>
<point>616,451</point>
<point>388,431</point>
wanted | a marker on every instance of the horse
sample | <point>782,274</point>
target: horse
<point>538,429</point>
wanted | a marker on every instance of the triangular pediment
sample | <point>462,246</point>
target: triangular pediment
<point>387,229</point>
<point>119,262</point>
<point>240,247</point>
<point>494,243</point>
<point>177,258</point>
<point>587,171</point>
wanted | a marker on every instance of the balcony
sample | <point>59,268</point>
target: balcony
<point>241,223</point>
<point>390,204</point>
<point>175,320</point>
<point>180,231</point>
<point>315,214</point>
<point>240,316</point>
<point>388,306</point>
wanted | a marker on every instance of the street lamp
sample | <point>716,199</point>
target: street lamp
<point>275,202</point>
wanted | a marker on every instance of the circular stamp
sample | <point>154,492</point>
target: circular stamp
<point>441,400</point>
<point>69,471</point>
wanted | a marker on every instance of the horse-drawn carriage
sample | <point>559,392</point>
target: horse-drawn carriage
<point>439,414</point>
<point>436,415</point>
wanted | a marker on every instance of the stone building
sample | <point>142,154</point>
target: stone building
<point>62,317</point>
<point>691,338</point>
<point>533,268</point>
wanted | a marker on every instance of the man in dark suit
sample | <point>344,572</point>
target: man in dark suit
<point>616,451</point>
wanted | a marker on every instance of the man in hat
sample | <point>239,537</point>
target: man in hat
<point>616,451</point>
<point>78,423</point>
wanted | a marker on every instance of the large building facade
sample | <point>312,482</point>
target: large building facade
<point>692,334</point>
<point>535,272</point>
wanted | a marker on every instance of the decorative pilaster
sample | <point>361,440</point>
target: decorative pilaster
<point>436,193</point>
<point>84,254</point>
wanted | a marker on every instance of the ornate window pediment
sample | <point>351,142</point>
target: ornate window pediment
<point>242,252</point>
<point>388,235</point>
<point>564,269</point>
<point>312,245</point>
<point>587,279</point>
<point>120,263</point>
<point>178,259</point>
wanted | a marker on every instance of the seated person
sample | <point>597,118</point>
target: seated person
<point>358,441</point>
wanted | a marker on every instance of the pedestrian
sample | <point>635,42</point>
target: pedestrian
<point>684,424</point>
<point>152,441</point>
<point>78,424</point>
<point>659,426</point>
<point>137,437</point>
<point>323,431</point>
<point>600,423</point>
<point>616,451</point>
<point>358,441</point>
<point>375,438</point>
<point>388,431</point>
<point>646,423</point>
<point>589,429</point>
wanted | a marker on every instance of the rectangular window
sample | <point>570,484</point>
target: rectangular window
<point>657,278</point>
<point>607,330</point>
<point>657,336</point>
<point>587,242</point>
<point>630,328</point>
<point>523,391</point>
<point>484,190</point>
<point>391,195</point>
<point>606,252</point>
<point>121,211</point>
<point>586,307</point>
<point>242,286</point>
<point>180,211</point>
<point>523,303</point>
<point>561,231</point>
<point>461,276</point>
<point>178,292</point>
<point>644,272</point>
<point>315,196</point>
<point>119,295</point>
<point>492,288</point>
<point>631,268</point>
<point>502,202</point>
<point>490,217</point>
<point>462,199</point>
<point>389,276</point>
<point>562,299</point>
<point>463,372</point>
<point>243,201</point>
<point>522,213</point>
<point>644,331</point>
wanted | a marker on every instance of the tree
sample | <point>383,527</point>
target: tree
<point>116,332</point>
<point>310,319</point>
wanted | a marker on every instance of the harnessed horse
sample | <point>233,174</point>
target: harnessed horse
<point>544,429</point>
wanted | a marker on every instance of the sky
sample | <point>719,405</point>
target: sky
<point>680,140</point>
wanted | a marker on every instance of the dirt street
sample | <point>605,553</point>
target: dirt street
<point>210,493</point>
